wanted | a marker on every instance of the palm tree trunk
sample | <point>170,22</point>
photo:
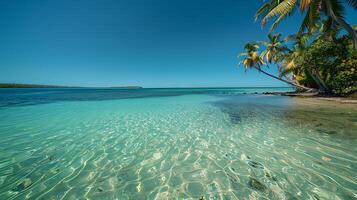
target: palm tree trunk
<point>317,79</point>
<point>322,82</point>
<point>285,81</point>
<point>342,23</point>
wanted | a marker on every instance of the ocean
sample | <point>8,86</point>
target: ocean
<point>175,143</point>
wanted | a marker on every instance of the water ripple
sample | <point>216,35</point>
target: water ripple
<point>174,148</point>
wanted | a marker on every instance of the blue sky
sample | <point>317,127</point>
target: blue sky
<point>151,43</point>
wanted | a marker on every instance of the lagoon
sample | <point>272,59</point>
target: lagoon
<point>175,143</point>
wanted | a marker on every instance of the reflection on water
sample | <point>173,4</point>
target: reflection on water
<point>198,146</point>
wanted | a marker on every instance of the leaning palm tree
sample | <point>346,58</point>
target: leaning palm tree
<point>290,66</point>
<point>274,48</point>
<point>314,11</point>
<point>252,59</point>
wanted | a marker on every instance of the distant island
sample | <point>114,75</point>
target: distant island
<point>17,85</point>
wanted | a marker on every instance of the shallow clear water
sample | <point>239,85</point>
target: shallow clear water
<point>174,144</point>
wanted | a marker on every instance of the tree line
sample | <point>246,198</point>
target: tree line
<point>319,57</point>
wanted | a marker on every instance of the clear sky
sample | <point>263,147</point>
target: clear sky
<point>151,43</point>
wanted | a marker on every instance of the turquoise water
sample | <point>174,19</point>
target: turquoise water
<point>174,144</point>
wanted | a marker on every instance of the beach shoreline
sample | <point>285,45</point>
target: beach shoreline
<point>315,95</point>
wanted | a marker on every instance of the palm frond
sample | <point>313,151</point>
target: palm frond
<point>276,23</point>
<point>304,4</point>
<point>336,7</point>
<point>262,10</point>
<point>311,17</point>
<point>281,9</point>
<point>352,3</point>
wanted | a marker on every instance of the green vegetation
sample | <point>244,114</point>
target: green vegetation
<point>331,67</point>
<point>252,59</point>
<point>331,11</point>
<point>317,58</point>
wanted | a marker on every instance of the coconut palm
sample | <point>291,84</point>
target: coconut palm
<point>274,48</point>
<point>289,64</point>
<point>252,59</point>
<point>314,11</point>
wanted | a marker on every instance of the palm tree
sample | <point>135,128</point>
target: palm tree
<point>251,57</point>
<point>253,60</point>
<point>332,9</point>
<point>274,48</point>
<point>289,64</point>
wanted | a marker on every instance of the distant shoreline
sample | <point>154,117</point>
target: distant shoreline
<point>17,85</point>
<point>20,85</point>
<point>315,95</point>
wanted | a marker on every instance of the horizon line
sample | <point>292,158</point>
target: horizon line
<point>28,86</point>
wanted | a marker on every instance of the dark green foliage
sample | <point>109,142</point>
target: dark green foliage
<point>334,62</point>
<point>345,80</point>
